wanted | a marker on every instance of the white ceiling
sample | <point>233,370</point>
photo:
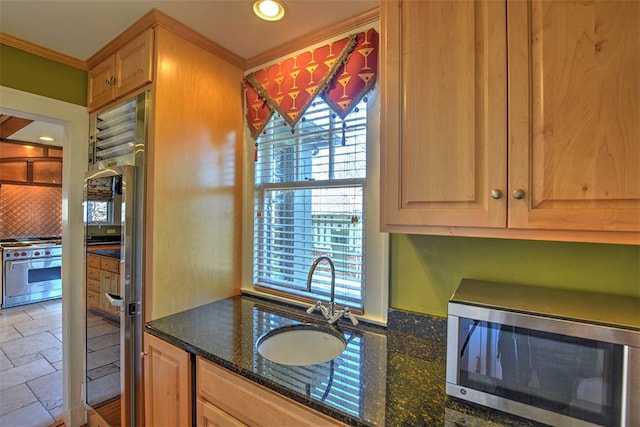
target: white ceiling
<point>79,28</point>
<point>33,132</point>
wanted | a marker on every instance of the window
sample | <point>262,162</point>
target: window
<point>310,193</point>
<point>98,211</point>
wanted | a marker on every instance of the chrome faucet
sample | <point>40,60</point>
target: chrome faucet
<point>330,313</point>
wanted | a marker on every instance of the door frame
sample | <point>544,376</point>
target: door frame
<point>75,121</point>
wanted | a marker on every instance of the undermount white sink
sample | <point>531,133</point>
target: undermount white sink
<point>298,345</point>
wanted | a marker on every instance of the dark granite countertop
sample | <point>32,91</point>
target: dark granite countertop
<point>392,376</point>
<point>111,253</point>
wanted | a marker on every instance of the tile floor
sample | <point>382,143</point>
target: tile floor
<point>31,365</point>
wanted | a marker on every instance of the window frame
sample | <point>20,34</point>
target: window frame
<point>376,263</point>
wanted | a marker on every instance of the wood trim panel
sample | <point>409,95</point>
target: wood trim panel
<point>35,49</point>
<point>310,39</point>
<point>621,238</point>
<point>155,17</point>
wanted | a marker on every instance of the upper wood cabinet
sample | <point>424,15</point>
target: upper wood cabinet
<point>30,164</point>
<point>129,68</point>
<point>546,150</point>
<point>574,115</point>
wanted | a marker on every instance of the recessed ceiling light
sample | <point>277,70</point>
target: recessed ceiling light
<point>269,10</point>
<point>46,138</point>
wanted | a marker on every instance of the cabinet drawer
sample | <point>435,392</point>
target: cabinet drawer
<point>93,285</point>
<point>251,403</point>
<point>110,264</point>
<point>93,299</point>
<point>93,261</point>
<point>93,273</point>
<point>210,415</point>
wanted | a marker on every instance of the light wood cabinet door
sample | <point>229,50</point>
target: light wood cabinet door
<point>129,68</point>
<point>212,416</point>
<point>134,64</point>
<point>100,79</point>
<point>444,113</point>
<point>574,116</point>
<point>167,384</point>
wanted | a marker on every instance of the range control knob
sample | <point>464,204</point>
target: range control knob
<point>47,252</point>
<point>36,253</point>
<point>16,254</point>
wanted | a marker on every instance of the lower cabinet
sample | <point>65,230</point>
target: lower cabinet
<point>103,276</point>
<point>223,399</point>
<point>227,399</point>
<point>167,383</point>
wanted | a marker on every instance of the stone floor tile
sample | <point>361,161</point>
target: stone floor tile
<point>103,341</point>
<point>24,373</point>
<point>103,388</point>
<point>53,354</point>
<point>27,358</point>
<point>8,333</point>
<point>5,363</point>
<point>103,357</point>
<point>57,412</point>
<point>33,415</point>
<point>43,324</point>
<point>101,371</point>
<point>57,332</point>
<point>8,318</point>
<point>15,397</point>
<point>28,345</point>
<point>48,389</point>
<point>102,328</point>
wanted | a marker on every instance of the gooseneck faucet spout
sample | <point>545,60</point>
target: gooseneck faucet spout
<point>329,313</point>
<point>333,279</point>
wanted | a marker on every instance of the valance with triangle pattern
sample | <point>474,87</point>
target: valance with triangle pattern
<point>342,72</point>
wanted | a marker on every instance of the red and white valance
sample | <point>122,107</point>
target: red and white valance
<point>342,72</point>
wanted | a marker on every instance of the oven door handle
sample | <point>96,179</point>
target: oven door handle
<point>37,262</point>
<point>13,264</point>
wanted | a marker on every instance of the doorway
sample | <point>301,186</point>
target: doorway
<point>75,120</point>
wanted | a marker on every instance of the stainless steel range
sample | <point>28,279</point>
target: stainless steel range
<point>31,270</point>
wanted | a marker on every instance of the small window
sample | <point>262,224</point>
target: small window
<point>98,211</point>
<point>310,186</point>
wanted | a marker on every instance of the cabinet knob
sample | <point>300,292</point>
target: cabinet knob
<point>107,82</point>
<point>496,194</point>
<point>518,194</point>
<point>143,354</point>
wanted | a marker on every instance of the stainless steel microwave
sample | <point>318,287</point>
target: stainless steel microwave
<point>559,357</point>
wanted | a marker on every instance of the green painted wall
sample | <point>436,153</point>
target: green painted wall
<point>34,74</point>
<point>425,270</point>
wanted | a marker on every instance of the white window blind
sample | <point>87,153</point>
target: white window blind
<point>309,201</point>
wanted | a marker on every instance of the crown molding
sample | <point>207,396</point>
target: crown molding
<point>154,18</point>
<point>35,49</point>
<point>310,39</point>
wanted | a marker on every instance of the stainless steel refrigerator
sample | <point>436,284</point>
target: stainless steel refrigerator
<point>114,307</point>
<point>113,212</point>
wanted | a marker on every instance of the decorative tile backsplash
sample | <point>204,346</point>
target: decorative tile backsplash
<point>30,211</point>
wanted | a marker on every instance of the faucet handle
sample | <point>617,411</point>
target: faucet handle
<point>313,307</point>
<point>350,315</point>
